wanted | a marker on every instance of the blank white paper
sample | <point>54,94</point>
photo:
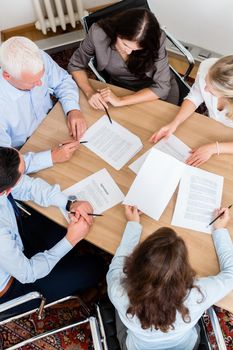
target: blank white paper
<point>172,146</point>
<point>200,193</point>
<point>99,189</point>
<point>112,142</point>
<point>155,183</point>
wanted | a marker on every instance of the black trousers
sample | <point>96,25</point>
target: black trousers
<point>74,273</point>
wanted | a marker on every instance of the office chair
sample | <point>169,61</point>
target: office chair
<point>107,314</point>
<point>129,4</point>
<point>98,335</point>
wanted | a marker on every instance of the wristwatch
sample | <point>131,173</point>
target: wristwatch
<point>71,200</point>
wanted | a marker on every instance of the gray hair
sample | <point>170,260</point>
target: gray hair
<point>19,54</point>
<point>221,78</point>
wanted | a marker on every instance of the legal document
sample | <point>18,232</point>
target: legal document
<point>199,191</point>
<point>99,189</point>
<point>199,195</point>
<point>172,146</point>
<point>112,142</point>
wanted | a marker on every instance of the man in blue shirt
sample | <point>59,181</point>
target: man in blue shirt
<point>24,267</point>
<point>28,76</point>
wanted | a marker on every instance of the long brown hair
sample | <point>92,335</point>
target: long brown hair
<point>157,278</point>
<point>138,25</point>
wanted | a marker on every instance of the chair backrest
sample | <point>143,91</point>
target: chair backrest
<point>112,10</point>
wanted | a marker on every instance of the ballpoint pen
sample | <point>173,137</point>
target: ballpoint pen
<point>91,214</point>
<point>63,144</point>
<point>219,216</point>
<point>108,114</point>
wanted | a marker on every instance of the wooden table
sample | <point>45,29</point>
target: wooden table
<point>141,119</point>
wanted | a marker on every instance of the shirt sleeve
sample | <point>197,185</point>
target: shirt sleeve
<point>61,84</point>
<point>40,192</point>
<point>130,239</point>
<point>27,270</point>
<point>84,52</point>
<point>216,287</point>
<point>37,161</point>
<point>162,75</point>
<point>195,95</point>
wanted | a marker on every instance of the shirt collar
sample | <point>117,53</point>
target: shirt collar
<point>9,89</point>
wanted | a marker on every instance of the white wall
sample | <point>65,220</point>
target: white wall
<point>206,23</point>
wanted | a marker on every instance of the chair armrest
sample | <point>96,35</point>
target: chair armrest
<point>217,329</point>
<point>183,50</point>
<point>20,300</point>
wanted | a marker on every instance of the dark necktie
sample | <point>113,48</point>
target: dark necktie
<point>14,205</point>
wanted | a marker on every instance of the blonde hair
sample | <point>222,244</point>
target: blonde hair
<point>19,54</point>
<point>221,78</point>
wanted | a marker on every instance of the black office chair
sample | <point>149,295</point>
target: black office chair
<point>107,314</point>
<point>129,4</point>
<point>8,313</point>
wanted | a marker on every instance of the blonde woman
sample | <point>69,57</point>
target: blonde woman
<point>214,86</point>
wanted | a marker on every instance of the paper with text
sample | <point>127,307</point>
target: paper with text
<point>172,146</point>
<point>200,193</point>
<point>112,142</point>
<point>99,189</point>
<point>155,183</point>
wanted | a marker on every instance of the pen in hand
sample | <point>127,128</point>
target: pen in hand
<point>63,144</point>
<point>91,214</point>
<point>217,217</point>
<point>108,114</point>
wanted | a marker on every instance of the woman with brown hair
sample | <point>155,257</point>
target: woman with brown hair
<point>131,48</point>
<point>156,293</point>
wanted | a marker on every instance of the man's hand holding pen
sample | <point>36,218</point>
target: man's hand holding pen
<point>81,209</point>
<point>64,151</point>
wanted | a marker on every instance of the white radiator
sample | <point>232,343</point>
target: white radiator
<point>54,13</point>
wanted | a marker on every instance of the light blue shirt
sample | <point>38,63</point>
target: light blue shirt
<point>13,262</point>
<point>184,336</point>
<point>21,112</point>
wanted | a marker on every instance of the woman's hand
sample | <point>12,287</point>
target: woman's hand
<point>201,155</point>
<point>109,96</point>
<point>164,132</point>
<point>97,101</point>
<point>224,218</point>
<point>132,213</point>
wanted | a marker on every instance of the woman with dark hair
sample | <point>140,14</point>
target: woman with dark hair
<point>157,295</point>
<point>130,48</point>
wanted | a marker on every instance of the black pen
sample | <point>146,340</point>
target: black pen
<point>91,214</point>
<point>63,144</point>
<point>229,207</point>
<point>108,114</point>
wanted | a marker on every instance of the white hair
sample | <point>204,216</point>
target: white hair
<point>19,54</point>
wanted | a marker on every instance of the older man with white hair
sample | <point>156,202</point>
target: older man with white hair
<point>28,76</point>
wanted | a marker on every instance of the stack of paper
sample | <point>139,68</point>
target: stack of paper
<point>99,189</point>
<point>199,192</point>
<point>172,146</point>
<point>112,142</point>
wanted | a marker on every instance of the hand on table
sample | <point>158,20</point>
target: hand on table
<point>77,230</point>
<point>132,213</point>
<point>81,209</point>
<point>223,220</point>
<point>164,132</point>
<point>200,155</point>
<point>96,101</point>
<point>108,96</point>
<point>64,152</point>
<point>76,124</point>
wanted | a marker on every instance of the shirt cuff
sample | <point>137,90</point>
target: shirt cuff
<point>61,248</point>
<point>69,106</point>
<point>59,200</point>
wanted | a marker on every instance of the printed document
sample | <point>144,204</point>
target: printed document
<point>172,146</point>
<point>112,142</point>
<point>199,195</point>
<point>199,192</point>
<point>99,189</point>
